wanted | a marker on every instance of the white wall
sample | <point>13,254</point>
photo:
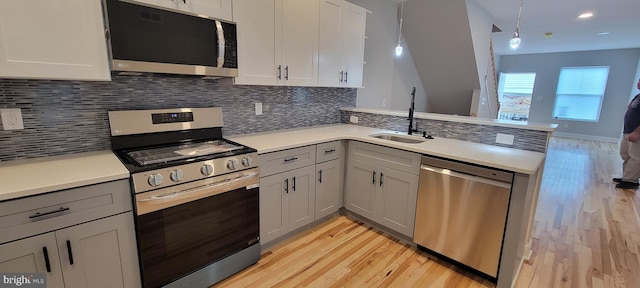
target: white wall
<point>624,66</point>
<point>481,24</point>
<point>634,89</point>
<point>405,77</point>
<point>388,79</point>
<point>439,35</point>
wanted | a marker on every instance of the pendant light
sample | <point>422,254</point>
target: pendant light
<point>515,40</point>
<point>399,47</point>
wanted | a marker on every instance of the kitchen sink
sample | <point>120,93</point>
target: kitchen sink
<point>399,138</point>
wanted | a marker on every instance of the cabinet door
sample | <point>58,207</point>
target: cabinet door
<point>54,39</point>
<point>301,196</point>
<point>397,196</point>
<point>274,211</point>
<point>362,179</point>
<point>171,4</point>
<point>299,37</point>
<point>354,24</point>
<point>100,253</point>
<point>257,46</point>
<point>220,9</point>
<point>27,255</point>
<point>330,43</point>
<point>328,176</point>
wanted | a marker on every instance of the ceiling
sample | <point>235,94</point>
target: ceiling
<point>618,17</point>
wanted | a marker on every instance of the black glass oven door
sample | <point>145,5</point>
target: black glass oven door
<point>177,240</point>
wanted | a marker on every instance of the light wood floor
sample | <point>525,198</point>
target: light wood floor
<point>586,234</point>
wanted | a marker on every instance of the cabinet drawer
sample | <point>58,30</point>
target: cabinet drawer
<point>328,151</point>
<point>388,157</point>
<point>280,161</point>
<point>42,213</point>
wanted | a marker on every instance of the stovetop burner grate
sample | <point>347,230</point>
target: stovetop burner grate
<point>184,151</point>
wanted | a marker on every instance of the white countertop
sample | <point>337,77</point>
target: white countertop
<point>21,178</point>
<point>461,119</point>
<point>510,159</point>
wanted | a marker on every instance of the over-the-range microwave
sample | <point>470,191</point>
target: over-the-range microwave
<point>146,38</point>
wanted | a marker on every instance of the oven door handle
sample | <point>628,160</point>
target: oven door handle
<point>175,194</point>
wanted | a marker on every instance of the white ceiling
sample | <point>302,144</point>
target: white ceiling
<point>621,18</point>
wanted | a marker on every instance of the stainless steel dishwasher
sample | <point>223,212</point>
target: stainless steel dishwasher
<point>462,211</point>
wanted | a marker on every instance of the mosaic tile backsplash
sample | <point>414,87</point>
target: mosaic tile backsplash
<point>524,139</point>
<point>62,117</point>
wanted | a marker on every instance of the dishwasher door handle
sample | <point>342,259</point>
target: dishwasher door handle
<point>465,176</point>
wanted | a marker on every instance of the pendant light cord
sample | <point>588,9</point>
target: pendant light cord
<point>519,13</point>
<point>401,15</point>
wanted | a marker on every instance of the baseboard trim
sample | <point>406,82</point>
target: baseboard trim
<point>515,277</point>
<point>585,137</point>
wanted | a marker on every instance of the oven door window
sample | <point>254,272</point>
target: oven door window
<point>178,240</point>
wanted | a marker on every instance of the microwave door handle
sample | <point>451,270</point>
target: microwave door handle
<point>221,43</point>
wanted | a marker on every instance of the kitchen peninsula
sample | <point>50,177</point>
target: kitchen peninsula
<point>526,165</point>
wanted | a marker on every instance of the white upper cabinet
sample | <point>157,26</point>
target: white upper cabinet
<point>277,42</point>
<point>354,37</point>
<point>220,9</point>
<point>341,44</point>
<point>53,39</point>
<point>257,57</point>
<point>173,4</point>
<point>299,42</point>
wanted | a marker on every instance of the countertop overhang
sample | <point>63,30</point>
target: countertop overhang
<point>515,160</point>
<point>22,178</point>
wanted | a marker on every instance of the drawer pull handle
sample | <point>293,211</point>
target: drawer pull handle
<point>37,216</point>
<point>46,259</point>
<point>290,159</point>
<point>70,253</point>
<point>329,151</point>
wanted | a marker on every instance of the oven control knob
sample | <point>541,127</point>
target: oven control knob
<point>232,164</point>
<point>206,169</point>
<point>155,179</point>
<point>176,175</point>
<point>246,161</point>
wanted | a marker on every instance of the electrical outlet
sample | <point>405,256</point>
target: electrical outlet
<point>353,119</point>
<point>11,119</point>
<point>258,108</point>
<point>504,139</point>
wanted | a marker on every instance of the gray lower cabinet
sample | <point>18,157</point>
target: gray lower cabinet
<point>379,193</point>
<point>329,178</point>
<point>329,175</point>
<point>71,251</point>
<point>287,202</point>
<point>299,186</point>
<point>27,256</point>
<point>100,253</point>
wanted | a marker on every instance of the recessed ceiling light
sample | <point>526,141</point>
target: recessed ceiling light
<point>603,33</point>
<point>585,15</point>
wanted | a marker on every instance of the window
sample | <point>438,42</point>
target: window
<point>580,93</point>
<point>515,92</point>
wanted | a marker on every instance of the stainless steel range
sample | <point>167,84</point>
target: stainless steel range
<point>195,193</point>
